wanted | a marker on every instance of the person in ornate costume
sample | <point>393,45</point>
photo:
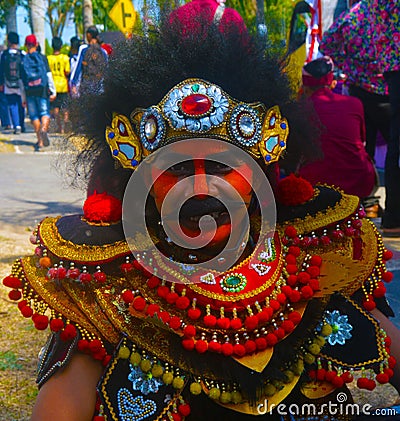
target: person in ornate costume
<point>145,326</point>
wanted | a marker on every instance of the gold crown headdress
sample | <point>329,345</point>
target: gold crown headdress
<point>197,108</point>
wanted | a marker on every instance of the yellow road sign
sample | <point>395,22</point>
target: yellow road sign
<point>123,14</point>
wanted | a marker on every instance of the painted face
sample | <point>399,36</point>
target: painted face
<point>203,181</point>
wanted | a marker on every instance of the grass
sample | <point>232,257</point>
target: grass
<point>20,342</point>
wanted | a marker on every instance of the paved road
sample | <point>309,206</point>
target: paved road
<point>31,189</point>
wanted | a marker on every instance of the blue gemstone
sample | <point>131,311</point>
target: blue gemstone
<point>281,143</point>
<point>268,158</point>
<point>283,126</point>
<point>115,152</point>
<point>111,135</point>
<point>134,162</point>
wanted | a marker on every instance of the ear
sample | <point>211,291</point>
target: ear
<point>333,84</point>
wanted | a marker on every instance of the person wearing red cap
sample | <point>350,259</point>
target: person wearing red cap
<point>38,82</point>
<point>346,163</point>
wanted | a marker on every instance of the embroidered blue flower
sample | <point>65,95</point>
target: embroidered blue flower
<point>340,327</point>
<point>144,382</point>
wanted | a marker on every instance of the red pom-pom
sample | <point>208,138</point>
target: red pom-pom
<point>12,282</point>
<point>14,295</point>
<point>371,384</point>
<point>379,292</point>
<point>281,298</point>
<point>176,417</point>
<point>236,323</point>
<point>387,255</point>
<point>274,304</point>
<point>153,282</point>
<point>313,271</point>
<point>102,207</point>
<point>26,311</point>
<point>171,297</point>
<point>271,339</point>
<point>306,292</point>
<point>362,383</point>
<point>223,323</point>
<point>152,309</point>
<point>314,284</point>
<point>175,323</point>
<point>188,344</point>
<point>291,269</point>
<point>290,231</point>
<point>250,346</point>
<point>227,349</point>
<point>295,296</point>
<point>294,250</point>
<point>382,378</point>
<point>61,272</point>
<point>184,409</point>
<point>139,303</point>
<point>85,277</point>
<point>162,291</point>
<point>95,346</point>
<point>290,259</point>
<point>294,190</point>
<point>210,320</point>
<point>99,276</point>
<point>279,333</point>
<point>239,350</point>
<point>106,360</point>
<point>265,315</point>
<point>337,381</point>
<point>316,260</point>
<point>189,331</point>
<point>287,326</point>
<point>164,316</point>
<point>214,346</point>
<point>56,325</point>
<point>41,321</point>
<point>251,322</point>
<point>182,303</point>
<point>295,317</point>
<point>388,341</point>
<point>194,313</point>
<point>127,296</point>
<point>320,374</point>
<point>83,345</point>
<point>68,333</point>
<point>292,280</point>
<point>387,276</point>
<point>127,267</point>
<point>303,277</point>
<point>347,377</point>
<point>201,346</point>
<point>330,375</point>
<point>369,304</point>
<point>391,362</point>
<point>389,372</point>
<point>261,343</point>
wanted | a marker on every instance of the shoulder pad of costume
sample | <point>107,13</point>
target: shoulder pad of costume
<point>327,206</point>
<point>73,239</point>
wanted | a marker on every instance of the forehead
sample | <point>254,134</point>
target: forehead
<point>198,148</point>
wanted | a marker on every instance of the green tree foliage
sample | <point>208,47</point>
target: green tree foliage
<point>58,13</point>
<point>5,5</point>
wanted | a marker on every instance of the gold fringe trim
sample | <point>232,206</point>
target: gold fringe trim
<point>65,249</point>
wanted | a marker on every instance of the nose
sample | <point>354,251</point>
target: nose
<point>200,186</point>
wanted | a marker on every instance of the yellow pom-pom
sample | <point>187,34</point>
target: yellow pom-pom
<point>320,340</point>
<point>135,359</point>
<point>178,383</point>
<point>214,393</point>
<point>314,349</point>
<point>145,366</point>
<point>270,389</point>
<point>225,397</point>
<point>309,358</point>
<point>195,388</point>
<point>124,352</point>
<point>290,376</point>
<point>236,397</point>
<point>298,367</point>
<point>157,370</point>
<point>167,377</point>
<point>326,330</point>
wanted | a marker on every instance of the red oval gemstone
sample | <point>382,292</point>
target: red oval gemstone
<point>196,104</point>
